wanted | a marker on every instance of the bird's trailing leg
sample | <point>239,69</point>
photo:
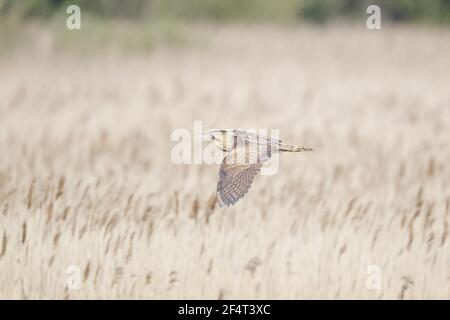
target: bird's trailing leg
<point>289,148</point>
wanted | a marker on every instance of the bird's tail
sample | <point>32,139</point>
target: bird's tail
<point>289,148</point>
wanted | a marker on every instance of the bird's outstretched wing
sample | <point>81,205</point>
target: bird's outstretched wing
<point>237,171</point>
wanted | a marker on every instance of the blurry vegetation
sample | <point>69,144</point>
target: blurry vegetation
<point>140,25</point>
<point>430,11</point>
<point>318,11</point>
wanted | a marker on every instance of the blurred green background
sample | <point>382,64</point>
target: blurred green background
<point>142,25</point>
<point>316,11</point>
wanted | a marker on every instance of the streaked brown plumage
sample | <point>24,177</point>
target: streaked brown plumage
<point>246,152</point>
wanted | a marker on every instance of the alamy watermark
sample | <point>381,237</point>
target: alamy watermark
<point>373,22</point>
<point>231,146</point>
<point>374,277</point>
<point>73,21</point>
<point>73,277</point>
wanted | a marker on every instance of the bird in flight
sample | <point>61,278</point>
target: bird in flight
<point>245,154</point>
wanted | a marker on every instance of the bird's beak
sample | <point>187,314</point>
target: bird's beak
<point>203,137</point>
<point>207,137</point>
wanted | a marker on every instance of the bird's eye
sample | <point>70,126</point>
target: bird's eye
<point>213,138</point>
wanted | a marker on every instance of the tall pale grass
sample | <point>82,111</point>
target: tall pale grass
<point>86,177</point>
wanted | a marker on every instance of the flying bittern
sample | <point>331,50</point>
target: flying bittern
<point>246,152</point>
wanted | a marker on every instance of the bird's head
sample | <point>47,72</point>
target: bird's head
<point>223,139</point>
